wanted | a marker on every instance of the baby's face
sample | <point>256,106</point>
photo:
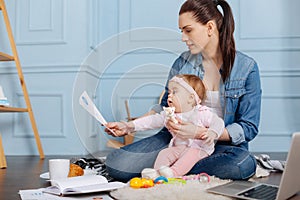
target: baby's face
<point>178,97</point>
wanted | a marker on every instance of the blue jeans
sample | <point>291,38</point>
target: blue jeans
<point>227,162</point>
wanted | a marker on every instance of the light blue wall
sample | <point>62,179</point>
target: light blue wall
<point>123,49</point>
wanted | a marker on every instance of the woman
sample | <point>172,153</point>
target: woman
<point>233,92</point>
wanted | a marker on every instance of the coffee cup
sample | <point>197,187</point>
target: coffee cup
<point>58,168</point>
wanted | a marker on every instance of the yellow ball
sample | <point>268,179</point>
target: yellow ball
<point>136,183</point>
<point>147,183</point>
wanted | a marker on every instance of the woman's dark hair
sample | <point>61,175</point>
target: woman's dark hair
<point>206,10</point>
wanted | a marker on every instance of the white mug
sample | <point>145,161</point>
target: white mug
<point>58,168</point>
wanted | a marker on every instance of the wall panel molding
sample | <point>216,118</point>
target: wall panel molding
<point>278,116</point>
<point>281,96</point>
<point>57,69</point>
<point>263,29</point>
<point>286,72</point>
<point>280,73</point>
<point>156,32</point>
<point>49,114</point>
<point>272,135</point>
<point>40,15</point>
<point>34,27</point>
<point>273,25</point>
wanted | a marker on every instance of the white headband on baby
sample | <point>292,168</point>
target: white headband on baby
<point>184,84</point>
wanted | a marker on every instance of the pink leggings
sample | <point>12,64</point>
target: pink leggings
<point>180,159</point>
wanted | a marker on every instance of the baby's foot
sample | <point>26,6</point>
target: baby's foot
<point>150,173</point>
<point>166,172</point>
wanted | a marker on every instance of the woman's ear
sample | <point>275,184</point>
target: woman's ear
<point>210,27</point>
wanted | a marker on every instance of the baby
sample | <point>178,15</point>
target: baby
<point>185,94</point>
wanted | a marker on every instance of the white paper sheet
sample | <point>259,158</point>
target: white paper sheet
<point>86,102</point>
<point>38,194</point>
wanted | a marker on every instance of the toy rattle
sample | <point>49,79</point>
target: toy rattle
<point>202,177</point>
<point>170,114</point>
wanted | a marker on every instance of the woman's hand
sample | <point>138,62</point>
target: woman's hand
<point>186,130</point>
<point>119,128</point>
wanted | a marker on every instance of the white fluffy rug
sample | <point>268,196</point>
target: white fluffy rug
<point>193,189</point>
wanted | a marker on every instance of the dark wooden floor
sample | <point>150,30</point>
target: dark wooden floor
<point>23,172</point>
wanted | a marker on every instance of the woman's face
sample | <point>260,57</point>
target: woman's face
<point>194,34</point>
<point>179,98</point>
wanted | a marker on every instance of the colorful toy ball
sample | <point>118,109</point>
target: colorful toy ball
<point>136,182</point>
<point>146,183</point>
<point>141,183</point>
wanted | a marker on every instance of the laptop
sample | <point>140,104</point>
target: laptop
<point>288,187</point>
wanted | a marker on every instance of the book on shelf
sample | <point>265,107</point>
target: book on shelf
<point>4,102</point>
<point>82,185</point>
<point>3,99</point>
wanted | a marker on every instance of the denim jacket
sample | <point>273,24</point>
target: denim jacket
<point>240,95</point>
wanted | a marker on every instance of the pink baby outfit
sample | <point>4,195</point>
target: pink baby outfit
<point>182,154</point>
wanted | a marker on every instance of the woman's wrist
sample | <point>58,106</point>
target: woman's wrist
<point>225,136</point>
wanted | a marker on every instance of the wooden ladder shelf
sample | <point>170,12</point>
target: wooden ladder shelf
<point>8,58</point>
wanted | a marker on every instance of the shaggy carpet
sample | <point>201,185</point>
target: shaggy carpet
<point>192,189</point>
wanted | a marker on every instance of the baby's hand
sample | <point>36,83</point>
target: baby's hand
<point>173,119</point>
<point>211,136</point>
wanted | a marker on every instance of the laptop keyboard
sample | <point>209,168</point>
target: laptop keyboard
<point>265,192</point>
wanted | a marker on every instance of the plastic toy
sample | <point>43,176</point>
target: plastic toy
<point>141,183</point>
<point>136,182</point>
<point>202,177</point>
<point>170,114</point>
<point>160,180</point>
<point>146,183</point>
<point>176,180</point>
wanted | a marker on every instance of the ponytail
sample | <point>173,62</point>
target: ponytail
<point>227,43</point>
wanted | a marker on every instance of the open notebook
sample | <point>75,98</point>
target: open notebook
<point>82,185</point>
<point>289,184</point>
